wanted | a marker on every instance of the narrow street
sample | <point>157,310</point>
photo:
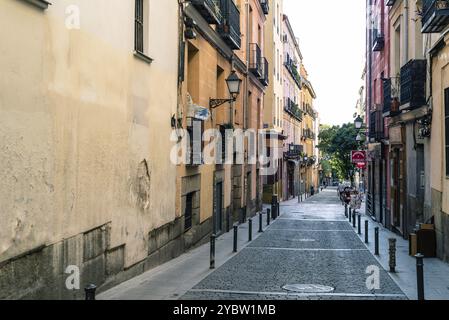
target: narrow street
<point>310,244</point>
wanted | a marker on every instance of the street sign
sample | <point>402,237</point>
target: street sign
<point>361,165</point>
<point>358,156</point>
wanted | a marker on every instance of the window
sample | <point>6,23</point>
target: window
<point>141,30</point>
<point>446,117</point>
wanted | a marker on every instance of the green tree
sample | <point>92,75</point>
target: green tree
<point>336,144</point>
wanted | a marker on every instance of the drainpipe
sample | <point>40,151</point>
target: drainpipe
<point>406,32</point>
<point>246,111</point>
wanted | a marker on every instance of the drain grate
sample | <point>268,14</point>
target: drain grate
<point>308,288</point>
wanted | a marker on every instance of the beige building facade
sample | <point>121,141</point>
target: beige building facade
<point>85,123</point>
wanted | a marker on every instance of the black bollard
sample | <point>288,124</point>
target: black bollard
<point>359,224</point>
<point>212,251</point>
<point>90,291</point>
<point>350,215</point>
<point>392,254</point>
<point>420,276</point>
<point>274,202</point>
<point>260,222</point>
<point>346,210</point>
<point>354,221</point>
<point>236,232</point>
<point>366,231</point>
<point>250,230</point>
<point>268,216</point>
<point>376,241</point>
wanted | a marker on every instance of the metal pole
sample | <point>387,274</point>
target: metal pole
<point>90,291</point>
<point>376,241</point>
<point>420,276</point>
<point>392,251</point>
<point>250,230</point>
<point>350,215</point>
<point>236,231</point>
<point>366,231</point>
<point>268,216</point>
<point>212,251</point>
<point>359,219</point>
<point>354,221</point>
<point>346,210</point>
<point>260,222</point>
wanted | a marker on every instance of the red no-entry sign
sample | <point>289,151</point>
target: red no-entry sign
<point>358,156</point>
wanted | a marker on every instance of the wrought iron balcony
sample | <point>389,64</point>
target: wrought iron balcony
<point>265,6</point>
<point>255,59</point>
<point>229,28</point>
<point>290,64</point>
<point>435,16</point>
<point>265,70</point>
<point>294,151</point>
<point>376,125</point>
<point>378,40</point>
<point>292,109</point>
<point>413,84</point>
<point>308,134</point>
<point>209,9</point>
<point>387,96</point>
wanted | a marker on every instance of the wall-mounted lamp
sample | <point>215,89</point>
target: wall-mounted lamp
<point>234,83</point>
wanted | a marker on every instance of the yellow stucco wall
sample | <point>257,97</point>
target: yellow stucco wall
<point>80,120</point>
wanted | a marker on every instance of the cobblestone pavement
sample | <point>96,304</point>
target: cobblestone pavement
<point>310,244</point>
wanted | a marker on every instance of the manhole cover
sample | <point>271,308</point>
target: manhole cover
<point>308,288</point>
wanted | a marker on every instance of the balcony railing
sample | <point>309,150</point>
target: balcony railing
<point>387,97</point>
<point>413,84</point>
<point>378,40</point>
<point>255,59</point>
<point>229,28</point>
<point>376,125</point>
<point>290,64</point>
<point>308,134</point>
<point>264,78</point>
<point>209,9</point>
<point>435,15</point>
<point>292,109</point>
<point>294,151</point>
<point>265,6</point>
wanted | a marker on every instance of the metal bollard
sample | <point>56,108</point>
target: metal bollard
<point>90,291</point>
<point>236,232</point>
<point>354,221</point>
<point>359,224</point>
<point>350,215</point>
<point>346,210</point>
<point>366,231</point>
<point>420,276</point>
<point>212,251</point>
<point>250,230</point>
<point>392,252</point>
<point>260,222</point>
<point>268,216</point>
<point>376,241</point>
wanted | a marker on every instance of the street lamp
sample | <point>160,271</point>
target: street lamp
<point>358,123</point>
<point>234,83</point>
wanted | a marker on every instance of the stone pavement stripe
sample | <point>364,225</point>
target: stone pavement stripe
<point>300,294</point>
<point>298,249</point>
<point>324,220</point>
<point>296,230</point>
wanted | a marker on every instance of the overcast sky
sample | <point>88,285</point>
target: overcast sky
<point>332,40</point>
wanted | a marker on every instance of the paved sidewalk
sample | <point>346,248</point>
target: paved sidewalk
<point>436,272</point>
<point>173,279</point>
